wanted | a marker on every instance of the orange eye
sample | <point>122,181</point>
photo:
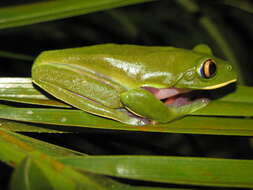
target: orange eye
<point>208,69</point>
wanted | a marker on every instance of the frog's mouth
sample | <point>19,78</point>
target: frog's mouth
<point>177,97</point>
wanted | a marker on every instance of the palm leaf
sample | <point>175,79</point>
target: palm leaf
<point>31,13</point>
<point>22,90</point>
<point>34,167</point>
<point>76,118</point>
<point>180,170</point>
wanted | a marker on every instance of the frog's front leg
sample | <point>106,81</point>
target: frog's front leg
<point>145,104</point>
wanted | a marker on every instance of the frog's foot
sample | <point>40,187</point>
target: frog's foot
<point>181,101</point>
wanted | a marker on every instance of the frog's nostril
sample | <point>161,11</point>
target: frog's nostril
<point>229,67</point>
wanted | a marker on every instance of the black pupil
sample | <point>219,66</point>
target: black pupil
<point>212,69</point>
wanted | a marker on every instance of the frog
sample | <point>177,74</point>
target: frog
<point>132,84</point>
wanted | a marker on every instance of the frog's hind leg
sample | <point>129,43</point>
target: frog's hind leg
<point>82,90</point>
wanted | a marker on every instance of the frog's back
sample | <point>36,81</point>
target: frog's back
<point>126,64</point>
<point>110,50</point>
<point>124,50</point>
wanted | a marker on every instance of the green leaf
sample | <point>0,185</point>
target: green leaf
<point>241,94</point>
<point>27,127</point>
<point>17,56</point>
<point>237,103</point>
<point>243,5</point>
<point>14,150</point>
<point>53,175</point>
<point>21,90</point>
<point>31,13</point>
<point>34,168</point>
<point>60,176</point>
<point>77,118</point>
<point>222,108</point>
<point>48,174</point>
<point>169,169</point>
<point>30,144</point>
<point>28,176</point>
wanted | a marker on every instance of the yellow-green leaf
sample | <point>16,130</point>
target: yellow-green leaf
<point>22,90</point>
<point>77,118</point>
<point>169,169</point>
<point>30,13</point>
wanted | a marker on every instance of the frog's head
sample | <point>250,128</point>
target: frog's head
<point>207,72</point>
<point>199,70</point>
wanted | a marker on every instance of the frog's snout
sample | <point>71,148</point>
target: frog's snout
<point>231,71</point>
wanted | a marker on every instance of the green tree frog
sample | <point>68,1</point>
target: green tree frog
<point>133,84</point>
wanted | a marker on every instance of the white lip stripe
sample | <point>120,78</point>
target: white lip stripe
<point>219,85</point>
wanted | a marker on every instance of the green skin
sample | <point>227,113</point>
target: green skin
<point>103,79</point>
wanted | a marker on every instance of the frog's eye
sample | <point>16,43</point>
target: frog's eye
<point>208,69</point>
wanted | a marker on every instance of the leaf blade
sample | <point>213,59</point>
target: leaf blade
<point>178,170</point>
<point>55,174</point>
<point>21,90</point>
<point>77,118</point>
<point>51,10</point>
